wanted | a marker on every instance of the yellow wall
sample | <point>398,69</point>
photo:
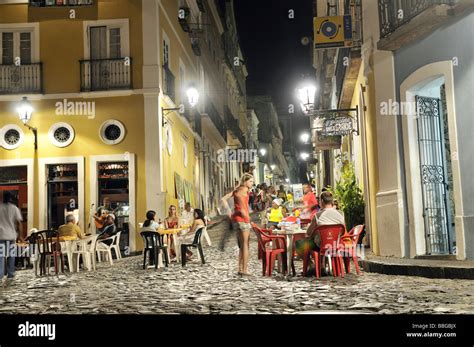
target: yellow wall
<point>128,110</point>
<point>371,155</point>
<point>175,163</point>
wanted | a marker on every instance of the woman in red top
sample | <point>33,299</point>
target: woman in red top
<point>241,220</point>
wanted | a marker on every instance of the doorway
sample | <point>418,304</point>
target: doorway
<point>62,193</point>
<point>433,139</point>
<point>14,179</point>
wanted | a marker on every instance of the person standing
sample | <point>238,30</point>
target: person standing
<point>241,221</point>
<point>310,202</point>
<point>282,194</point>
<point>10,230</point>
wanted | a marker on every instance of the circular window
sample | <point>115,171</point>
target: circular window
<point>11,136</point>
<point>61,134</point>
<point>112,132</point>
<point>185,154</point>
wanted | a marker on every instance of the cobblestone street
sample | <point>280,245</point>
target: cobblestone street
<point>215,288</point>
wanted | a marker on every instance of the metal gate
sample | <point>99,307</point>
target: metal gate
<point>433,175</point>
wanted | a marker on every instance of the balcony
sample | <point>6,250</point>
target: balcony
<point>212,117</point>
<point>233,126</point>
<point>183,18</point>
<point>168,82</point>
<point>196,46</point>
<point>26,78</point>
<point>59,3</point>
<point>405,21</point>
<point>105,74</point>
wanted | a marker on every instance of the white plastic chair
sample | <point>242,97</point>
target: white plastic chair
<point>107,250</point>
<point>86,248</point>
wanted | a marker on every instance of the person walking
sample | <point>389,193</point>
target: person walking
<point>10,231</point>
<point>241,221</point>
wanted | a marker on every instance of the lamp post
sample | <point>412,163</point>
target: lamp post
<point>193,97</point>
<point>263,152</point>
<point>25,111</point>
<point>305,137</point>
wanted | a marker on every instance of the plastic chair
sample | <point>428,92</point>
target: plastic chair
<point>349,253</point>
<point>270,246</point>
<point>116,246</point>
<point>103,247</point>
<point>153,245</point>
<point>196,244</point>
<point>329,248</point>
<point>48,246</point>
<point>87,249</point>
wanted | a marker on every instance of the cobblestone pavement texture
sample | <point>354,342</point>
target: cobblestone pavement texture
<point>216,288</point>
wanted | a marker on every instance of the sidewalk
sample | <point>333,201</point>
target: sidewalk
<point>431,268</point>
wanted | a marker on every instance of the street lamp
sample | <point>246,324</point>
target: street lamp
<point>287,180</point>
<point>193,97</point>
<point>306,95</point>
<point>304,137</point>
<point>273,166</point>
<point>304,156</point>
<point>263,151</point>
<point>25,111</point>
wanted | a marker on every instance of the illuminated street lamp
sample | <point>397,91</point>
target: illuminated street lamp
<point>273,166</point>
<point>193,97</point>
<point>305,137</point>
<point>25,111</point>
<point>306,95</point>
<point>304,156</point>
<point>263,151</point>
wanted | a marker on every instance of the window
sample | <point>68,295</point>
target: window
<point>166,52</point>
<point>114,43</point>
<point>105,43</point>
<point>181,83</point>
<point>16,44</point>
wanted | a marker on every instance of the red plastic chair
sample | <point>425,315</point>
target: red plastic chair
<point>329,247</point>
<point>349,253</point>
<point>269,255</point>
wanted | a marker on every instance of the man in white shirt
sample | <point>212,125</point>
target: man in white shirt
<point>10,220</point>
<point>187,216</point>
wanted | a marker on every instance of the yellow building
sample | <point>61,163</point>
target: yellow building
<point>100,78</point>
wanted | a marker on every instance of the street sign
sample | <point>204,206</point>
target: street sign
<point>337,126</point>
<point>332,31</point>
<point>327,142</point>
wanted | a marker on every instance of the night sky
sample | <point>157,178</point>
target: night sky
<point>275,57</point>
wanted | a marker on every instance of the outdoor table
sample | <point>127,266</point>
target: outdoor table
<point>289,241</point>
<point>177,246</point>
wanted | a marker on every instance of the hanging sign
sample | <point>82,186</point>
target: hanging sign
<point>337,126</point>
<point>327,142</point>
<point>332,31</point>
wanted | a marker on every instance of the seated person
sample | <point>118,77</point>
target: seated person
<point>110,229</point>
<point>198,223</point>
<point>187,216</point>
<point>70,229</point>
<point>150,224</point>
<point>275,216</point>
<point>328,215</point>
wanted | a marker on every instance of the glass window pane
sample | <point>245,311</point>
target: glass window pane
<point>25,48</point>
<point>114,43</point>
<point>7,48</point>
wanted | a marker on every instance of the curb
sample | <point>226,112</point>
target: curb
<point>418,270</point>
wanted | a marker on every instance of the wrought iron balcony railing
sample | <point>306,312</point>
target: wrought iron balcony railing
<point>106,74</point>
<point>25,78</point>
<point>59,3</point>
<point>233,126</point>
<point>216,119</point>
<point>395,13</point>
<point>168,82</point>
